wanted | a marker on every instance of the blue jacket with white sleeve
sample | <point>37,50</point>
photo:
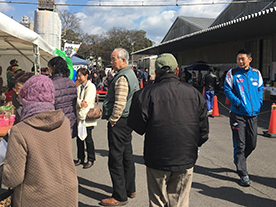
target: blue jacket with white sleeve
<point>244,89</point>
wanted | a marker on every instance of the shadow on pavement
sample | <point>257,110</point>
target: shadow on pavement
<point>85,205</point>
<point>234,195</point>
<point>90,183</point>
<point>103,153</point>
<point>270,182</point>
<point>137,158</point>
<point>212,172</point>
<point>92,194</point>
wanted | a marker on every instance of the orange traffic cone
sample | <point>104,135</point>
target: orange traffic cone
<point>272,123</point>
<point>203,92</point>
<point>141,84</point>
<point>227,102</point>
<point>215,112</point>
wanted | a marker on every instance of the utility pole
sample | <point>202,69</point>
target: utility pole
<point>132,50</point>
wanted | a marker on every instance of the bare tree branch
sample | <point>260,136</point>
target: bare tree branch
<point>69,22</point>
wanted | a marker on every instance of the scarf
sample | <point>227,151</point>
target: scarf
<point>82,87</point>
<point>35,108</point>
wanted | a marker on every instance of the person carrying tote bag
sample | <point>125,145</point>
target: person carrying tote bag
<point>86,100</point>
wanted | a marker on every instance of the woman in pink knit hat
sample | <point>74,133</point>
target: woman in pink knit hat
<point>39,163</point>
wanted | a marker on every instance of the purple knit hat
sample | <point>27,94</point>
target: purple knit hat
<point>38,89</point>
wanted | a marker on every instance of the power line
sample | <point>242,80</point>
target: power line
<point>140,3</point>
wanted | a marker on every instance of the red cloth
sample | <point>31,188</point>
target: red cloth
<point>8,95</point>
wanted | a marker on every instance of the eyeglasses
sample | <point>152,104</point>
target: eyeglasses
<point>44,70</point>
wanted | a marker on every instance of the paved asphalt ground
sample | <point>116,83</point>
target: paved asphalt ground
<point>215,182</point>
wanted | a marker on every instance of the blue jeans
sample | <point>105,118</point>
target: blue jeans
<point>209,97</point>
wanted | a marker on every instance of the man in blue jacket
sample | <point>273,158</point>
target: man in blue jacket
<point>244,88</point>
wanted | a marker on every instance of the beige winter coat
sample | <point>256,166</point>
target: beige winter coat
<point>39,163</point>
<point>88,94</point>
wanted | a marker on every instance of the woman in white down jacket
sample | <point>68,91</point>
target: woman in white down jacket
<point>86,100</point>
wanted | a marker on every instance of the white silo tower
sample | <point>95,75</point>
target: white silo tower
<point>47,22</point>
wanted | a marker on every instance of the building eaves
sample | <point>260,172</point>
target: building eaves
<point>222,13</point>
<point>220,33</point>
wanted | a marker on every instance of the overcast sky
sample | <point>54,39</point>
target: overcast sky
<point>156,21</point>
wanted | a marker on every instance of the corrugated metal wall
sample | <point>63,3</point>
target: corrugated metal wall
<point>223,55</point>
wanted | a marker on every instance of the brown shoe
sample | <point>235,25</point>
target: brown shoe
<point>88,165</point>
<point>131,195</point>
<point>112,202</point>
<point>78,162</point>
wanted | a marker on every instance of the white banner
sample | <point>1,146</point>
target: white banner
<point>71,49</point>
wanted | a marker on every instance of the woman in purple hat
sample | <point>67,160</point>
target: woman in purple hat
<point>39,162</point>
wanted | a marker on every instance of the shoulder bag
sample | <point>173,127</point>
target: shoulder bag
<point>96,112</point>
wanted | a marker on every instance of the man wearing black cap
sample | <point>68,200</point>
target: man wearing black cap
<point>173,116</point>
<point>210,81</point>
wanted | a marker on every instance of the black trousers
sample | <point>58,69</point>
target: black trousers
<point>244,131</point>
<point>89,146</point>
<point>120,159</point>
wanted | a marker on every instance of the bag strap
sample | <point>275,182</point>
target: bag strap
<point>4,193</point>
<point>97,99</point>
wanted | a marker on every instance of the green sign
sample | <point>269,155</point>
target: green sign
<point>68,61</point>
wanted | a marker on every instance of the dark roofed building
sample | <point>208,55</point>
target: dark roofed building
<point>186,25</point>
<point>237,10</point>
<point>241,25</point>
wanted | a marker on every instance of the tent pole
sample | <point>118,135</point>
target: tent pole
<point>36,58</point>
<point>43,58</point>
<point>18,50</point>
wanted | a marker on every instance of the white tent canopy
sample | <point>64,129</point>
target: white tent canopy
<point>20,43</point>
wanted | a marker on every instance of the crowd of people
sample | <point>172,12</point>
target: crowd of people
<point>143,76</point>
<point>51,110</point>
